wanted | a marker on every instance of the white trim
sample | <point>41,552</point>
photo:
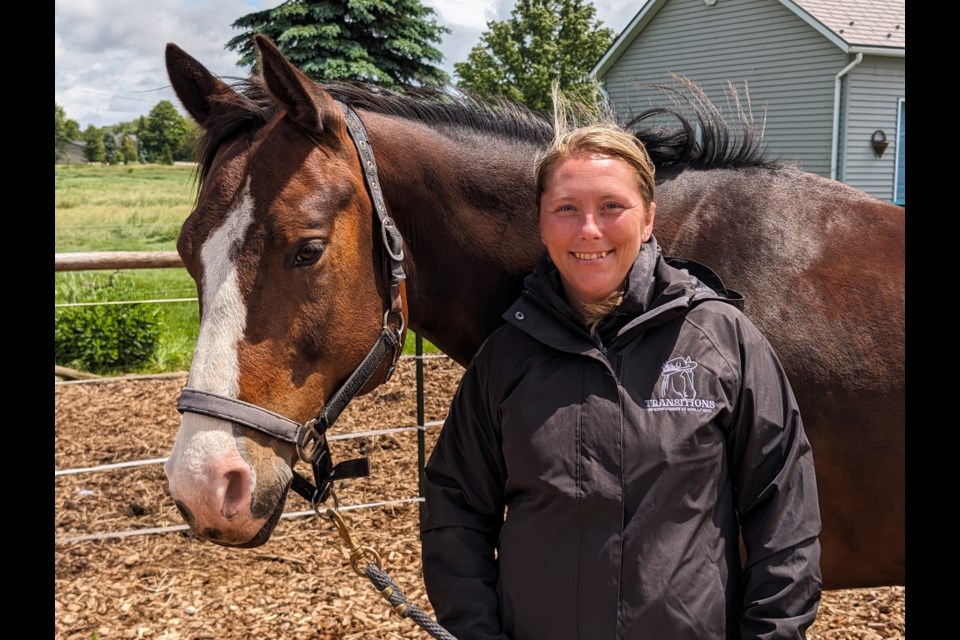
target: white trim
<point>821,28</point>
<point>626,37</point>
<point>880,51</point>
<point>901,102</point>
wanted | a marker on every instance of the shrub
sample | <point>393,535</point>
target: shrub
<point>104,338</point>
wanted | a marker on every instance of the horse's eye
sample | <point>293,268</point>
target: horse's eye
<point>308,254</point>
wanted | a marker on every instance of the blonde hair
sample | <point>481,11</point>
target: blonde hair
<point>580,128</point>
<point>594,313</point>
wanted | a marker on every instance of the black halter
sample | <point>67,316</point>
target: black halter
<point>310,438</point>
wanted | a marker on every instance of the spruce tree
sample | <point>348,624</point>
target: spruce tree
<point>385,42</point>
<point>110,152</point>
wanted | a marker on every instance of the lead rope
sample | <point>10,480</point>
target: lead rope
<point>324,473</point>
<point>378,577</point>
<point>310,438</point>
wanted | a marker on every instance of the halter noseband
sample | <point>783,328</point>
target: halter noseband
<point>310,437</point>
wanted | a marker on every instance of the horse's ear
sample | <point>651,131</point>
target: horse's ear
<point>193,84</point>
<point>305,101</point>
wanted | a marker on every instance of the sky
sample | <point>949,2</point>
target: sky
<point>109,54</point>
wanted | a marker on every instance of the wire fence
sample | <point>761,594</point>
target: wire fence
<point>116,261</point>
<point>124,311</point>
<point>420,428</point>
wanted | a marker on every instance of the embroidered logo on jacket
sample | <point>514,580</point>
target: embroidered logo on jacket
<point>677,391</point>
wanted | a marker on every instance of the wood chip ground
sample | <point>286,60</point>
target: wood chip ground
<point>117,578</point>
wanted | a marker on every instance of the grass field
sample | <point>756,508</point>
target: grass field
<point>132,208</point>
<point>121,208</point>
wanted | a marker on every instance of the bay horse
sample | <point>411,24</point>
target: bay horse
<point>329,218</point>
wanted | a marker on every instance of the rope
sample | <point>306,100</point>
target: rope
<point>392,594</point>
<point>387,588</point>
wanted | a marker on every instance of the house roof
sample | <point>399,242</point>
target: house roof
<point>868,26</point>
<point>859,23</point>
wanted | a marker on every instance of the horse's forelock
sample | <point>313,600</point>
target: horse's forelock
<point>241,111</point>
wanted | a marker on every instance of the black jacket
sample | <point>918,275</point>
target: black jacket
<point>626,466</point>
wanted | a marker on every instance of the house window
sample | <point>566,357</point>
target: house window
<point>899,184</point>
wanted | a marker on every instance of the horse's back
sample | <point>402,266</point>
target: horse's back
<point>821,266</point>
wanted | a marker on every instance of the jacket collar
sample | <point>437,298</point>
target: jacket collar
<point>545,285</point>
<point>658,290</point>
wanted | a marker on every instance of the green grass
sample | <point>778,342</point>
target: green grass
<point>134,208</point>
<point>121,207</point>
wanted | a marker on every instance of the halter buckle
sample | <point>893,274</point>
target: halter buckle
<point>398,347</point>
<point>308,440</point>
<point>392,240</point>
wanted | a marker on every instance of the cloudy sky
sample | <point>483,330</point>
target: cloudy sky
<point>108,62</point>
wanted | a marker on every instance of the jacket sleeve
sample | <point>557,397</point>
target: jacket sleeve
<point>464,511</point>
<point>776,494</point>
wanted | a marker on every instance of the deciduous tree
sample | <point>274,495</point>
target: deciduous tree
<point>128,149</point>
<point>385,42</point>
<point>164,134</point>
<point>65,130</point>
<point>543,42</point>
<point>93,151</point>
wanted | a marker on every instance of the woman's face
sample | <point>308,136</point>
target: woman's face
<point>593,221</point>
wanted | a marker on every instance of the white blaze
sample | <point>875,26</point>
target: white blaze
<point>214,367</point>
<point>205,449</point>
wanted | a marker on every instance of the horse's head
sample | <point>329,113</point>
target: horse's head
<point>285,252</point>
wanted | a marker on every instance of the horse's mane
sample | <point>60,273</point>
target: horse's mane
<point>449,107</point>
<point>704,139</point>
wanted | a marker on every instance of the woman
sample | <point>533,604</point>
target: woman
<point>608,445</point>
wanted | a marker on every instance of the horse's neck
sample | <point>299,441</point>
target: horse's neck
<point>466,211</point>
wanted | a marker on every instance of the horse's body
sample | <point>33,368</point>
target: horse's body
<point>284,250</point>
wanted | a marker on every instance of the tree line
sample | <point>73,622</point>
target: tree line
<point>389,43</point>
<point>163,137</point>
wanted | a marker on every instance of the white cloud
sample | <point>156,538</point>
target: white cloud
<point>473,14</point>
<point>109,54</point>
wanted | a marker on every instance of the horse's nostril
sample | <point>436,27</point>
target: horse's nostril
<point>235,494</point>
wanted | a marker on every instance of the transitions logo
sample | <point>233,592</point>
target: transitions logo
<point>677,391</point>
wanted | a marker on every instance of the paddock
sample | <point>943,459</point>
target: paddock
<point>126,567</point>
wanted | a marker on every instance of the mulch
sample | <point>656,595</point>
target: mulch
<point>125,567</point>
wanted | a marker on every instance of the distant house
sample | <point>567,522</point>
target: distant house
<point>73,149</point>
<point>828,76</point>
<point>72,153</point>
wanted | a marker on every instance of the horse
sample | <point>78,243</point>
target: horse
<point>330,218</point>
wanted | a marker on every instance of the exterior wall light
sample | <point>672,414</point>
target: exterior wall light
<point>879,142</point>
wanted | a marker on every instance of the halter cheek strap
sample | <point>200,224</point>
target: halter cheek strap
<point>310,437</point>
<point>392,241</point>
